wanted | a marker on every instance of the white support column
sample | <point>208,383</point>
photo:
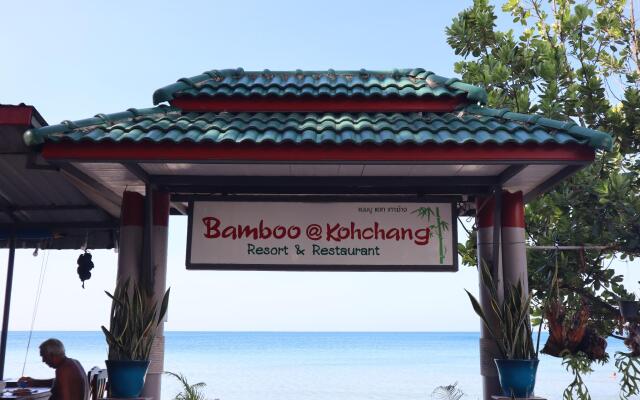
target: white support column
<point>153,381</point>
<point>485,218</point>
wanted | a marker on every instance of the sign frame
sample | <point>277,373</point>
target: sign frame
<point>452,200</point>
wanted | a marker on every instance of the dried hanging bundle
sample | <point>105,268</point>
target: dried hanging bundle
<point>569,330</point>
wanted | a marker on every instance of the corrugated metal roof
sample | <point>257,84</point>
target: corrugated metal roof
<point>473,124</point>
<point>39,205</point>
<point>415,82</point>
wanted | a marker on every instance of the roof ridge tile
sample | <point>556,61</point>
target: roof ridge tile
<point>237,82</point>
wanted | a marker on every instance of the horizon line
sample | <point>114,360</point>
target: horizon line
<point>256,331</point>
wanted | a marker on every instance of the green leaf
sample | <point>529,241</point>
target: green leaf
<point>134,322</point>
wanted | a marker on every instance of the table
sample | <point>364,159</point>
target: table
<point>38,393</point>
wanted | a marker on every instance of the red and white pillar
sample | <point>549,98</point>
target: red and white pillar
<point>509,269</point>
<point>514,252</point>
<point>485,208</point>
<point>130,263</point>
<point>160,237</point>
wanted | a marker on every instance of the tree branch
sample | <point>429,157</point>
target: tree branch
<point>617,337</point>
<point>590,296</point>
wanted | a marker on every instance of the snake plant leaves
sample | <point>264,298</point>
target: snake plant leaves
<point>134,322</point>
<point>509,326</point>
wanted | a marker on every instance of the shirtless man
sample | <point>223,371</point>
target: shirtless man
<point>70,382</point>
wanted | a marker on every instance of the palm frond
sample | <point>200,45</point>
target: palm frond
<point>189,391</point>
<point>449,392</point>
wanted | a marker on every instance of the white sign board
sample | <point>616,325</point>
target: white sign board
<point>314,236</point>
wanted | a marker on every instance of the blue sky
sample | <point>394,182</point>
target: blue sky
<point>74,59</point>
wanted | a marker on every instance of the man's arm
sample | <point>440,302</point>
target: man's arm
<point>32,382</point>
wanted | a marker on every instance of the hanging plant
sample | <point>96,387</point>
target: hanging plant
<point>570,333</point>
<point>628,363</point>
<point>85,265</point>
<point>569,330</point>
<point>579,365</point>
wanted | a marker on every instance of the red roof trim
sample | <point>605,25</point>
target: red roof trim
<point>211,152</point>
<point>317,104</point>
<point>16,115</point>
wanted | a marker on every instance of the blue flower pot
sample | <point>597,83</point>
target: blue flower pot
<point>126,378</point>
<point>517,377</point>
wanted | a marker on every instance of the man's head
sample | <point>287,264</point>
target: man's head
<point>52,352</point>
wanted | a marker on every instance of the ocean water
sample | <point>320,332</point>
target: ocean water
<point>315,366</point>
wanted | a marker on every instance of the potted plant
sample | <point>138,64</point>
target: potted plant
<point>519,360</point>
<point>134,323</point>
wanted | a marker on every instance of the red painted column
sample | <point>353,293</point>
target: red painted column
<point>514,252</point>
<point>130,243</point>
<point>485,208</point>
<point>160,237</point>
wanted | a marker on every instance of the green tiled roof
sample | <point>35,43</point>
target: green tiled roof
<point>363,83</point>
<point>473,124</point>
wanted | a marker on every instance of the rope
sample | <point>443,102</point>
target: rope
<point>578,248</point>
<point>43,270</point>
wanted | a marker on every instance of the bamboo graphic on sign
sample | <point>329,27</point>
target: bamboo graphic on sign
<point>440,226</point>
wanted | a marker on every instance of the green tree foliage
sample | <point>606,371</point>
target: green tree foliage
<point>579,61</point>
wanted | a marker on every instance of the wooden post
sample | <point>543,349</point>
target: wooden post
<point>7,303</point>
